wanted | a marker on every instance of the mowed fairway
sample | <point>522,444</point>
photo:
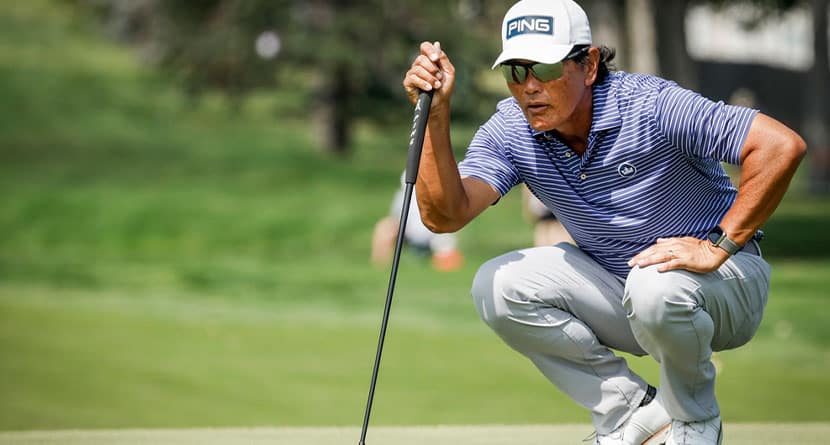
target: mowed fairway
<point>736,434</point>
<point>166,265</point>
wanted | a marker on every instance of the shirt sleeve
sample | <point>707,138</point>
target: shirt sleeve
<point>487,158</point>
<point>701,127</point>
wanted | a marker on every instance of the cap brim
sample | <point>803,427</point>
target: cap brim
<point>547,54</point>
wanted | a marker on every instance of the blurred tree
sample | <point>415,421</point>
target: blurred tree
<point>670,29</point>
<point>352,54</point>
<point>675,63</point>
<point>814,127</point>
<point>816,130</point>
<point>670,26</point>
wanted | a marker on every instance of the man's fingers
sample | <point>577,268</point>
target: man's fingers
<point>653,255</point>
<point>431,50</point>
<point>670,265</point>
<point>427,71</point>
<point>430,71</point>
<point>677,253</point>
<point>433,53</point>
<point>640,257</point>
<point>444,63</point>
<point>642,260</point>
<point>431,78</point>
<point>415,81</point>
<point>428,65</point>
<point>425,74</point>
<point>423,77</point>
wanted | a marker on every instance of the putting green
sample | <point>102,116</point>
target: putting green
<point>735,434</point>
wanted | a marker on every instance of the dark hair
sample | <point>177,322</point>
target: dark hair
<point>606,55</point>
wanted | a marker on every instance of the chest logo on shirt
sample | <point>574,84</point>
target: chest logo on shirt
<point>627,170</point>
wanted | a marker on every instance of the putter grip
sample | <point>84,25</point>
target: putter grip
<point>416,137</point>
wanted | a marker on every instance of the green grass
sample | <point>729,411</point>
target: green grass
<point>99,360</point>
<point>735,434</point>
<point>170,265</point>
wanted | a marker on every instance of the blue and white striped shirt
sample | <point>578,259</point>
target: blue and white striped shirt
<point>651,169</point>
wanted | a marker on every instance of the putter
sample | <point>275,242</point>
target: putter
<point>416,143</point>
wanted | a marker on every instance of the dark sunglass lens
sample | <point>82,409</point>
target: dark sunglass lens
<point>547,71</point>
<point>507,72</point>
<point>514,73</point>
<point>519,73</point>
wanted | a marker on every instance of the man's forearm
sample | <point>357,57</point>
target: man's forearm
<point>766,172</point>
<point>441,195</point>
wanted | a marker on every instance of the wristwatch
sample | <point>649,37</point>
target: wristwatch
<point>719,238</point>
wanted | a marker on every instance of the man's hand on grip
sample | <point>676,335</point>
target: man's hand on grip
<point>431,71</point>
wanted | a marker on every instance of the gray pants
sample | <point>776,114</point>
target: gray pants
<point>564,312</point>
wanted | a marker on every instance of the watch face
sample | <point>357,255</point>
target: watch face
<point>715,235</point>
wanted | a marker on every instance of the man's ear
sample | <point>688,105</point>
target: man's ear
<point>591,66</point>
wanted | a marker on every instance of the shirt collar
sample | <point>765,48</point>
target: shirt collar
<point>606,112</point>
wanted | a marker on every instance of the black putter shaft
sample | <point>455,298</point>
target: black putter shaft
<point>416,143</point>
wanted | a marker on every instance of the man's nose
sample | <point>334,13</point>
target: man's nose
<point>532,84</point>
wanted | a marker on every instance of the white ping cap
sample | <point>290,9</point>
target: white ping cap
<point>543,31</point>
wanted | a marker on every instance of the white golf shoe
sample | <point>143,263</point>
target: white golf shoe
<point>707,432</point>
<point>648,425</point>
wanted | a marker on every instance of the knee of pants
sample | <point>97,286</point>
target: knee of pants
<point>652,298</point>
<point>504,298</point>
<point>526,325</point>
<point>487,290</point>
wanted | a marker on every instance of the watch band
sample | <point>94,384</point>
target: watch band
<point>719,238</point>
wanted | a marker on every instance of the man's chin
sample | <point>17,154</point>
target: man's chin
<point>540,126</point>
<point>537,122</point>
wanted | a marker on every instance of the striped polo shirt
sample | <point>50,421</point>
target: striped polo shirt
<point>651,168</point>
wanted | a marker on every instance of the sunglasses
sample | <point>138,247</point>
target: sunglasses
<point>515,72</point>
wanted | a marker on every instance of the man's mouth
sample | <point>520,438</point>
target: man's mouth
<point>536,107</point>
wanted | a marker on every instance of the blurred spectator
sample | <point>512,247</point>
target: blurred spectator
<point>442,248</point>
